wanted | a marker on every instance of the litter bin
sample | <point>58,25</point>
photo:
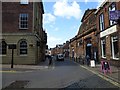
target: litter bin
<point>92,63</point>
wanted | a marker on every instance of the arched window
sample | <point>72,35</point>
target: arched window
<point>23,47</point>
<point>3,48</point>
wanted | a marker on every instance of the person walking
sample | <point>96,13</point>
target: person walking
<point>50,59</point>
<point>88,60</point>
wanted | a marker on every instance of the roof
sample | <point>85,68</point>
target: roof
<point>99,8</point>
<point>87,12</point>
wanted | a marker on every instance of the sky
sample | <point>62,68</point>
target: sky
<point>62,19</point>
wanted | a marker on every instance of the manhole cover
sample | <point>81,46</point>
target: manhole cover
<point>17,84</point>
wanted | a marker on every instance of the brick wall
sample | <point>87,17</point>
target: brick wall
<point>105,11</point>
<point>10,16</point>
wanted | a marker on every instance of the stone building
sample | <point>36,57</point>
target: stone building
<point>22,26</point>
<point>86,40</point>
<point>109,33</point>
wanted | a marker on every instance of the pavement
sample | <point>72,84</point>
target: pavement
<point>113,76</point>
<point>7,67</point>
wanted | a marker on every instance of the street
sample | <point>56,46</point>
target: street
<point>62,74</point>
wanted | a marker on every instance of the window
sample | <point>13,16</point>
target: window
<point>112,8</point>
<point>115,52</point>
<point>103,47</point>
<point>23,23</point>
<point>23,47</point>
<point>23,1</point>
<point>101,18</point>
<point>3,48</point>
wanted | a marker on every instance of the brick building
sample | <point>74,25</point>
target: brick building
<point>72,48</point>
<point>86,40</point>
<point>109,33</point>
<point>22,25</point>
<point>66,49</point>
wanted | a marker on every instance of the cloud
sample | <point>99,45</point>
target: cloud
<point>48,18</point>
<point>56,29</point>
<point>52,41</point>
<point>64,9</point>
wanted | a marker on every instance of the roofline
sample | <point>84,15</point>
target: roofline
<point>86,11</point>
<point>104,2</point>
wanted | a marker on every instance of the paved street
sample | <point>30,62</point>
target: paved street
<point>62,74</point>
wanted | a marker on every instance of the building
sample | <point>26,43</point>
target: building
<point>59,49</point>
<point>66,49</point>
<point>72,48</point>
<point>86,39</point>
<point>109,33</point>
<point>22,26</point>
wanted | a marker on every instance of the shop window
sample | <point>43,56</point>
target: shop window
<point>101,19</point>
<point>23,48</point>
<point>115,52</point>
<point>112,7</point>
<point>103,47</point>
<point>3,48</point>
<point>23,21</point>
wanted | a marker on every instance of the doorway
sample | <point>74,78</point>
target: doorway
<point>88,50</point>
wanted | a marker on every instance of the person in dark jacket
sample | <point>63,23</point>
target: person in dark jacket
<point>50,59</point>
<point>88,60</point>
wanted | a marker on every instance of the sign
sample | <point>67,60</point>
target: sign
<point>114,15</point>
<point>89,44</point>
<point>12,46</point>
<point>109,31</point>
<point>105,66</point>
<point>92,63</point>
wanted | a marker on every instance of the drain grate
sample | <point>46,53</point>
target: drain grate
<point>17,84</point>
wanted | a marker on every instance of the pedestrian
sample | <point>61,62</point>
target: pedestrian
<point>50,59</point>
<point>88,60</point>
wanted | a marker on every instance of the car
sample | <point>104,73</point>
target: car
<point>60,57</point>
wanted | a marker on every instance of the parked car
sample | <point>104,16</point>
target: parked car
<point>60,57</point>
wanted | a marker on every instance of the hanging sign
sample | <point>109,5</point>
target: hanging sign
<point>114,15</point>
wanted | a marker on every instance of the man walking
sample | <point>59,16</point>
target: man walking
<point>50,59</point>
<point>88,60</point>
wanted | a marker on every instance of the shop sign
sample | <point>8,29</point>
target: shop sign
<point>108,31</point>
<point>114,15</point>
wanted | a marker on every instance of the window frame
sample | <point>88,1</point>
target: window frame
<point>113,51</point>
<point>22,15</point>
<point>23,48</point>
<point>102,49</point>
<point>1,44</point>
<point>101,22</point>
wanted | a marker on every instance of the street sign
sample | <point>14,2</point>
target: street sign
<point>12,46</point>
<point>114,15</point>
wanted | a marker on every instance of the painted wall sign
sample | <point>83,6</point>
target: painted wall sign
<point>109,31</point>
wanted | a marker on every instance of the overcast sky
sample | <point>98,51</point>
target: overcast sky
<point>62,18</point>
